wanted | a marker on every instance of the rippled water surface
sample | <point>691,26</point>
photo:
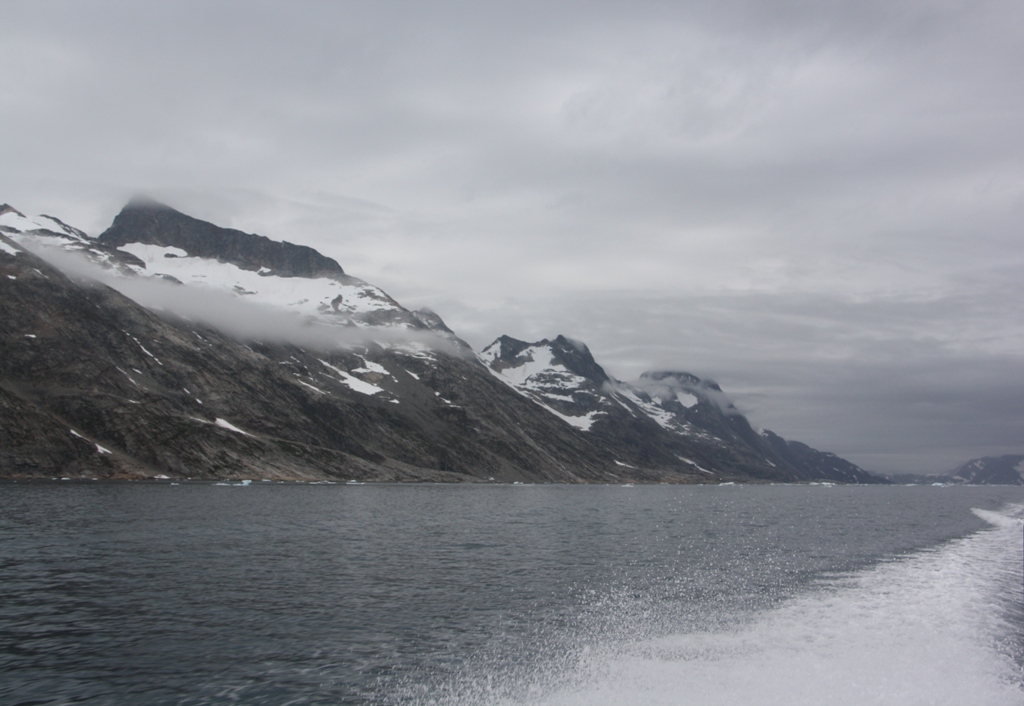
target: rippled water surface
<point>131,593</point>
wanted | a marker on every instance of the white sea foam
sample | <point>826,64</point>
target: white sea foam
<point>928,628</point>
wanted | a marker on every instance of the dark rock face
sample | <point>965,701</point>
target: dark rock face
<point>155,224</point>
<point>818,465</point>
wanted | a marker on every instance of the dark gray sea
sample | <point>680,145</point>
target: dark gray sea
<point>139,593</point>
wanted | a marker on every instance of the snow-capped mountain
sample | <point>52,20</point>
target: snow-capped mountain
<point>150,240</point>
<point>675,417</point>
<point>92,383</point>
<point>990,470</point>
<point>172,245</point>
<point>559,375</point>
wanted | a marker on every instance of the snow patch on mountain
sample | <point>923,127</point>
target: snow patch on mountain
<point>695,465</point>
<point>687,399</point>
<point>12,220</point>
<point>225,424</point>
<point>352,382</point>
<point>662,416</point>
<point>582,422</point>
<point>324,298</point>
<point>45,234</point>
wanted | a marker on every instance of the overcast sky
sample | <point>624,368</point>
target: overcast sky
<point>818,204</point>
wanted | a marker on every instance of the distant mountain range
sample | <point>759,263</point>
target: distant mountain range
<point>989,470</point>
<point>171,347</point>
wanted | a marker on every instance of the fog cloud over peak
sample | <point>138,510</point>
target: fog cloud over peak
<point>237,317</point>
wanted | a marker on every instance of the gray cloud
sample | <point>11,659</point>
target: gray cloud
<point>814,203</point>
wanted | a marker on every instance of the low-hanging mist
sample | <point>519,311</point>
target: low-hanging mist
<point>233,315</point>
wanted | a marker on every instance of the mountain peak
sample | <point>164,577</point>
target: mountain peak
<point>679,379</point>
<point>144,220</point>
<point>143,202</point>
<point>571,355</point>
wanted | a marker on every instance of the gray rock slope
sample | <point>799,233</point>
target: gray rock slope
<point>93,384</point>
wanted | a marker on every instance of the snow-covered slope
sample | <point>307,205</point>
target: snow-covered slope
<point>40,233</point>
<point>562,375</point>
<point>328,299</point>
<point>559,375</point>
<point>149,240</point>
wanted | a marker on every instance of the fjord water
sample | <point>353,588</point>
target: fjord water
<point>334,594</point>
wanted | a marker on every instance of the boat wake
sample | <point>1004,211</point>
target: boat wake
<point>941,626</point>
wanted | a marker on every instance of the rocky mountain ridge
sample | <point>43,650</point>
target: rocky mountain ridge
<point>667,417</point>
<point>149,222</point>
<point>94,384</point>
